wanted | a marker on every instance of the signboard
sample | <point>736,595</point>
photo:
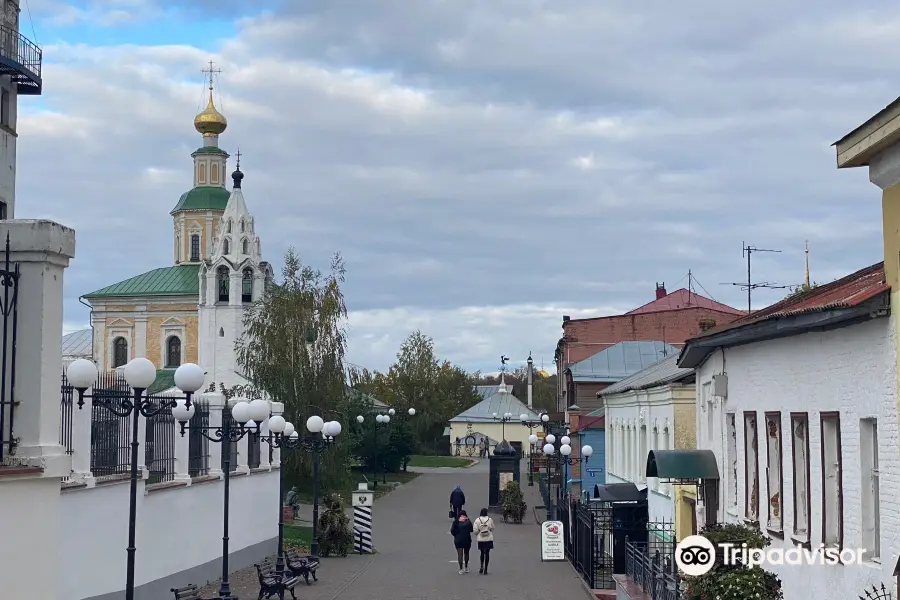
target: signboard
<point>363,498</point>
<point>552,547</point>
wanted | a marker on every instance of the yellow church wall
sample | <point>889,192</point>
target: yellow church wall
<point>685,499</point>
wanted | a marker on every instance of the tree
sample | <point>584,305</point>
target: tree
<point>293,350</point>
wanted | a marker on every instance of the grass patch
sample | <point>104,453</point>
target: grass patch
<point>298,536</point>
<point>305,495</point>
<point>438,461</point>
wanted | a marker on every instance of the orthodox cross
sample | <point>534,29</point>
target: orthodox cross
<point>211,71</point>
<point>238,155</point>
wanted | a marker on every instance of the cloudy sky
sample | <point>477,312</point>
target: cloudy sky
<point>484,166</point>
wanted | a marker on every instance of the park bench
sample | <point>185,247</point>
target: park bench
<point>302,566</point>
<point>189,592</point>
<point>271,585</point>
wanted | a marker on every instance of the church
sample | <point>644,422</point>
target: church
<point>192,310</point>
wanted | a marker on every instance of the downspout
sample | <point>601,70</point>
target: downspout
<point>91,317</point>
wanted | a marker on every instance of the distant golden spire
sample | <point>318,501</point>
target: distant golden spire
<point>210,121</point>
<point>807,264</point>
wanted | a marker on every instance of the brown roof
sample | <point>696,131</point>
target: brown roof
<point>847,292</point>
<point>682,299</point>
<point>587,422</point>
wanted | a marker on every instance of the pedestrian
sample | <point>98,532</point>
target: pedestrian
<point>484,535</point>
<point>457,501</point>
<point>462,540</point>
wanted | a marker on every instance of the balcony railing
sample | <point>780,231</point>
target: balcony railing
<point>655,573</point>
<point>20,58</point>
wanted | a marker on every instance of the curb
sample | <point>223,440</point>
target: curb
<point>474,462</point>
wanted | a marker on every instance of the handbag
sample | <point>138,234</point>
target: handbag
<point>452,514</point>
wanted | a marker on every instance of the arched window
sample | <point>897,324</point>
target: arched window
<point>228,226</point>
<point>247,285</point>
<point>173,352</point>
<point>226,247</point>
<point>222,280</point>
<point>201,178</point>
<point>242,226</point>
<point>120,352</point>
<point>195,247</point>
<point>214,173</point>
<point>245,246</point>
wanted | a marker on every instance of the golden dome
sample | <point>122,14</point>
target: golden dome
<point>210,121</point>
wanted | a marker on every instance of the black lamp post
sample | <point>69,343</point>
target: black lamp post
<point>140,374</point>
<point>506,418</point>
<point>533,439</point>
<point>380,419</point>
<point>283,435</point>
<point>248,416</point>
<point>549,450</point>
<point>566,459</point>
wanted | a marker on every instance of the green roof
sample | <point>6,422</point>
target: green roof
<point>209,150</point>
<point>203,197</point>
<point>165,379</point>
<point>182,280</point>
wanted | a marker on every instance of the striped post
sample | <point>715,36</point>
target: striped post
<point>362,519</point>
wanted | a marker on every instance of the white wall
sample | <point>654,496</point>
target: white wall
<point>629,416</point>
<point>851,370</point>
<point>177,529</point>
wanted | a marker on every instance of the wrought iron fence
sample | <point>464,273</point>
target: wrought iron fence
<point>564,512</point>
<point>9,298</point>
<point>198,445</point>
<point>592,544</point>
<point>253,454</point>
<point>159,445</point>
<point>651,565</point>
<point>66,404</point>
<point>110,434</point>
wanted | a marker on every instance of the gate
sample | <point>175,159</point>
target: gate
<point>592,544</point>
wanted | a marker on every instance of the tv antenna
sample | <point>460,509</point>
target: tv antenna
<point>747,252</point>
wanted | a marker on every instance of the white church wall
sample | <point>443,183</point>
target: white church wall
<point>93,534</point>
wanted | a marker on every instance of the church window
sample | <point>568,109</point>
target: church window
<point>221,332</point>
<point>226,247</point>
<point>120,352</point>
<point>228,226</point>
<point>242,226</point>
<point>195,247</point>
<point>245,246</point>
<point>173,352</point>
<point>201,178</point>
<point>222,278</point>
<point>214,173</point>
<point>247,285</point>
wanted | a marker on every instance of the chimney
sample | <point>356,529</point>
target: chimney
<point>566,318</point>
<point>660,290</point>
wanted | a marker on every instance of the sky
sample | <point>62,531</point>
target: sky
<point>484,167</point>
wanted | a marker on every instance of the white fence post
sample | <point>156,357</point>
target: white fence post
<point>82,420</point>
<point>216,402</point>
<point>277,409</point>
<point>182,452</point>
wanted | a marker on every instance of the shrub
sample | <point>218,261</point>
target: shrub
<point>513,503</point>
<point>335,532</point>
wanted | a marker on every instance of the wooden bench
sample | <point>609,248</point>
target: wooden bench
<point>189,592</point>
<point>302,566</point>
<point>271,585</point>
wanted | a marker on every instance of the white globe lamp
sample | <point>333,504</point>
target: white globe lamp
<point>189,377</point>
<point>314,424</point>
<point>549,449</point>
<point>565,440</point>
<point>140,373</point>
<point>259,410</point>
<point>182,412</point>
<point>241,411</point>
<point>565,450</point>
<point>359,418</point>
<point>288,430</point>
<point>81,374</point>
<point>277,424</point>
<point>587,451</point>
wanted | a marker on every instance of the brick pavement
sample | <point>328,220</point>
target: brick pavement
<point>416,559</point>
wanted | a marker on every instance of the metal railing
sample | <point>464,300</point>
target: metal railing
<point>159,446</point>
<point>198,445</point>
<point>110,434</point>
<point>66,405</point>
<point>9,297</point>
<point>654,570</point>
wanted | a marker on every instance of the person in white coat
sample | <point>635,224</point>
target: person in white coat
<point>483,528</point>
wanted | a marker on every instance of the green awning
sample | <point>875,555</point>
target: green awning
<point>682,464</point>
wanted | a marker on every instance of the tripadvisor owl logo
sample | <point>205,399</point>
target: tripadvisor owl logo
<point>695,555</point>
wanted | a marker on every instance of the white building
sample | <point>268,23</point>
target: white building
<point>798,402</point>
<point>653,409</point>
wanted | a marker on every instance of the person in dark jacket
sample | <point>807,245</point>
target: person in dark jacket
<point>462,540</point>
<point>457,501</point>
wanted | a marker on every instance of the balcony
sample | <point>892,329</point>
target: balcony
<point>20,58</point>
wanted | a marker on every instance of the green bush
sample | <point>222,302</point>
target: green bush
<point>734,582</point>
<point>512,503</point>
<point>335,532</point>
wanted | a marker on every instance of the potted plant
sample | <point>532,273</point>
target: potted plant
<point>335,533</point>
<point>513,504</point>
<point>733,581</point>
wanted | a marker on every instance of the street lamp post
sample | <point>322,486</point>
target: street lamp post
<point>283,435</point>
<point>249,415</point>
<point>533,440</point>
<point>506,418</point>
<point>380,419</point>
<point>549,450</point>
<point>140,374</point>
<point>567,460</point>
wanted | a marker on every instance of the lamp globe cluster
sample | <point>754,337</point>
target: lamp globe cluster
<point>139,373</point>
<point>533,439</point>
<point>315,424</point>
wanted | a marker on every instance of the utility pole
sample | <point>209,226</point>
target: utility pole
<point>746,252</point>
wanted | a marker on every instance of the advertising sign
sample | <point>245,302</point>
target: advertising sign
<point>552,547</point>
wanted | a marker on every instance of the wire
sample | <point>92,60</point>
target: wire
<point>31,21</point>
<point>700,285</point>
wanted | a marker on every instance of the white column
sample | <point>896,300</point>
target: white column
<point>264,446</point>
<point>182,454</point>
<point>243,453</point>
<point>140,339</point>
<point>277,409</point>
<point>81,440</point>
<point>216,402</point>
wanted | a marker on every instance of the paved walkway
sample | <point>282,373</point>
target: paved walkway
<point>416,559</point>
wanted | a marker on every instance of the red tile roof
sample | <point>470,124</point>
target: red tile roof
<point>847,292</point>
<point>682,299</point>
